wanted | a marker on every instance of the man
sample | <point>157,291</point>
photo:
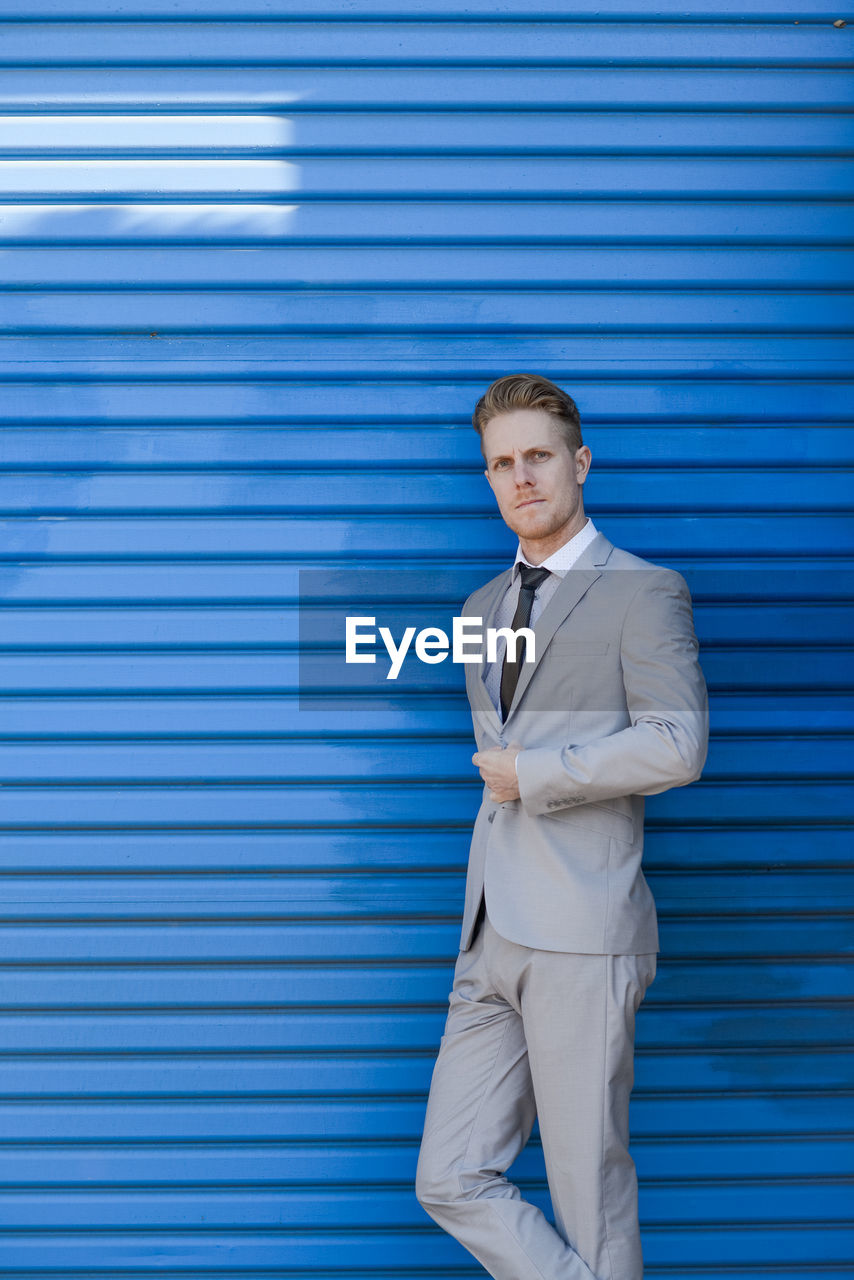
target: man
<point>559,934</point>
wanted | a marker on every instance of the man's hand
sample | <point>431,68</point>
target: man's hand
<point>498,769</point>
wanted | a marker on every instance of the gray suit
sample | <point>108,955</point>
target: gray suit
<point>541,1014</point>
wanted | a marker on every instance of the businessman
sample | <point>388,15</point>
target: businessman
<point>559,932</point>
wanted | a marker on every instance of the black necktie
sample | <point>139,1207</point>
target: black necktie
<point>531,579</point>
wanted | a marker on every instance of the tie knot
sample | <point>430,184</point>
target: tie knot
<point>532,576</point>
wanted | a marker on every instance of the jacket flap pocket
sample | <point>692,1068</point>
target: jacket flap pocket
<point>598,817</point>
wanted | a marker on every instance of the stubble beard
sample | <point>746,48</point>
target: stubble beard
<point>545,526</point>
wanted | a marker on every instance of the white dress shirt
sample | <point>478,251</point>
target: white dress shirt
<point>558,564</point>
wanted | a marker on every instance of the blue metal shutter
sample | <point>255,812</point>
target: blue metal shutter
<point>260,260</point>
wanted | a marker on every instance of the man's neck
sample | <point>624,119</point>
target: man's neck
<point>537,550</point>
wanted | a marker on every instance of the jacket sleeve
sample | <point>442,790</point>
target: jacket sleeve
<point>667,742</point>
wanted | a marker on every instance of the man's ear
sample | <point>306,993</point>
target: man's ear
<point>585,454</point>
<point>489,478</point>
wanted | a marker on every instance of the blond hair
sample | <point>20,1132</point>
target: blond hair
<point>529,391</point>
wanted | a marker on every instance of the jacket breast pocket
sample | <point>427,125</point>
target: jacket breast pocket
<point>579,648</point>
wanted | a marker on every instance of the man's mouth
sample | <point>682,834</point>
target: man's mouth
<point>529,503</point>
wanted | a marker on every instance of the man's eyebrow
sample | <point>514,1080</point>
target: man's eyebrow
<point>535,448</point>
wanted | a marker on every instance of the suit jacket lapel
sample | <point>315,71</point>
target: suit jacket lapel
<point>573,587</point>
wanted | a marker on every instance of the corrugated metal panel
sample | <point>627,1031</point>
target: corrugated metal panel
<point>260,260</point>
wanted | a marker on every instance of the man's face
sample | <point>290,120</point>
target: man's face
<point>537,482</point>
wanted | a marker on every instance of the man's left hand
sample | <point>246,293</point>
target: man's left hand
<point>498,769</point>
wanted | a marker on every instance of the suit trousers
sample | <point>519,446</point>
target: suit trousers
<point>546,1034</point>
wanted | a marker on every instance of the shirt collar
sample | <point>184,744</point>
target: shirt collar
<point>562,560</point>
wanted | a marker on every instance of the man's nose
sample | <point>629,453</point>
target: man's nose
<point>521,473</point>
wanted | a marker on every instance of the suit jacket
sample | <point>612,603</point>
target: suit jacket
<point>614,708</point>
